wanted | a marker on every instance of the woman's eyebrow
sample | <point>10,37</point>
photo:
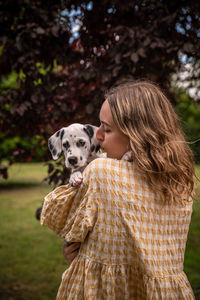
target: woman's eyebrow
<point>103,122</point>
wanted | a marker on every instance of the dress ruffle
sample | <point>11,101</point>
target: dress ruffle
<point>87,279</point>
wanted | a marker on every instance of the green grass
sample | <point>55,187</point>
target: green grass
<point>31,261</point>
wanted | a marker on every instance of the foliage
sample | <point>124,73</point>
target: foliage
<point>13,147</point>
<point>21,148</point>
<point>58,174</point>
<point>8,83</point>
<point>62,74</point>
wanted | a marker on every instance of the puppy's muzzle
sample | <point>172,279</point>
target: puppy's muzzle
<point>73,160</point>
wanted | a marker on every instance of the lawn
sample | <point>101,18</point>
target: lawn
<point>31,261</point>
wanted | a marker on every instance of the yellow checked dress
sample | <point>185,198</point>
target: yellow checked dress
<point>132,244</point>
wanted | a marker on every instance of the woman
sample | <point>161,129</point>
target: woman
<point>132,212</point>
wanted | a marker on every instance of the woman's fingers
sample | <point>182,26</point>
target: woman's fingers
<point>71,251</point>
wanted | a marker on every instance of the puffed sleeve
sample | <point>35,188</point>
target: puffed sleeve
<point>70,211</point>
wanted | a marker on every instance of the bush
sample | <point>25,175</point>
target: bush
<point>21,148</point>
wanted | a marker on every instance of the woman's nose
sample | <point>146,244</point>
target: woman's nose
<point>99,134</point>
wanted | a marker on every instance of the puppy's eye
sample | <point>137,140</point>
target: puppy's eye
<point>66,145</point>
<point>80,143</point>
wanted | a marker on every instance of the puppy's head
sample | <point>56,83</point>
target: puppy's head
<point>77,142</point>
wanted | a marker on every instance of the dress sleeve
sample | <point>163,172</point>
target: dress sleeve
<point>70,212</point>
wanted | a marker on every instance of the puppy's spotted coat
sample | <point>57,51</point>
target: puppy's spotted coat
<point>79,144</point>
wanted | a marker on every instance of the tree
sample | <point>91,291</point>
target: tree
<point>33,37</point>
<point>62,76</point>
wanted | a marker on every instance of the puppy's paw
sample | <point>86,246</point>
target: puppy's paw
<point>75,178</point>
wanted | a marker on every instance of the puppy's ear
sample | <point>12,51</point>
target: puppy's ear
<point>55,144</point>
<point>90,130</point>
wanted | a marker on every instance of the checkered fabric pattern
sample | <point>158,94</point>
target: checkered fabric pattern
<point>132,243</point>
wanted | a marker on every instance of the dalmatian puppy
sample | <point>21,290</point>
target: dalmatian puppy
<point>79,144</point>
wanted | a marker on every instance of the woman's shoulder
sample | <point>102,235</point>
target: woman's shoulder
<point>106,167</point>
<point>98,165</point>
<point>104,163</point>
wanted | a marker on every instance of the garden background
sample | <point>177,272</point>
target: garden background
<point>57,58</point>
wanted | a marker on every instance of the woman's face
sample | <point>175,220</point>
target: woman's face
<point>111,139</point>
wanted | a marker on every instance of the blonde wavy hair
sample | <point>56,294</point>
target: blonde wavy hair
<point>142,112</point>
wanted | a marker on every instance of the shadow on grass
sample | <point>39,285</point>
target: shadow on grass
<point>20,185</point>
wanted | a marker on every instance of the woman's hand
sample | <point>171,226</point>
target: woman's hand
<point>71,251</point>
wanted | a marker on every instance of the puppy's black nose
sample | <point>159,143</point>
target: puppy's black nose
<point>73,160</point>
